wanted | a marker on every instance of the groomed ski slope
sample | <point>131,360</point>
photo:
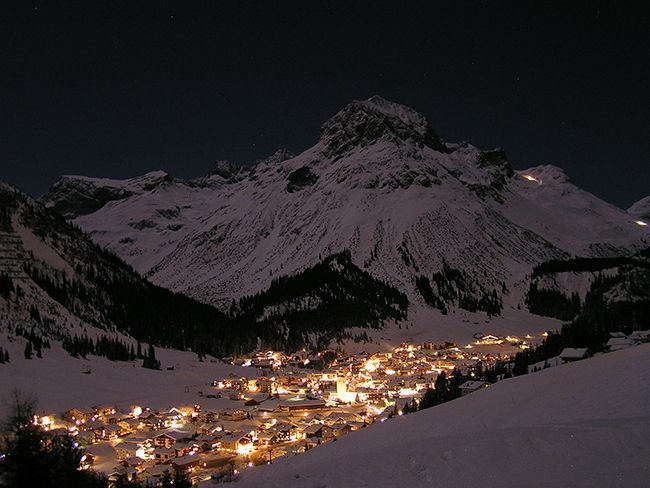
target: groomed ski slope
<point>585,424</point>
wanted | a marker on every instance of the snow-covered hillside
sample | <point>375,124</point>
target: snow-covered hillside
<point>379,182</point>
<point>59,382</point>
<point>56,282</point>
<point>584,424</point>
<point>641,209</point>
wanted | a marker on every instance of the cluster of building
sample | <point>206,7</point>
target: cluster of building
<point>282,408</point>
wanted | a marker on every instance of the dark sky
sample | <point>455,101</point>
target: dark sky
<point>117,91</point>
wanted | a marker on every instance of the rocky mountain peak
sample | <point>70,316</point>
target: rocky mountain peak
<point>278,156</point>
<point>362,123</point>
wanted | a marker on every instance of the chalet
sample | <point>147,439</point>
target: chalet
<point>185,448</point>
<point>104,410</point>
<point>171,419</point>
<point>236,442</point>
<point>266,385</point>
<point>618,343</point>
<point>356,425</point>
<point>77,416</point>
<point>186,463</point>
<point>319,431</point>
<point>133,462</point>
<point>340,417</point>
<point>232,414</point>
<point>186,410</point>
<point>151,420</point>
<point>209,416</point>
<point>87,460</point>
<point>285,431</point>
<point>215,460</point>
<point>639,336</point>
<point>92,426</point>
<point>164,440</point>
<point>570,354</point>
<point>158,470</point>
<point>163,454</point>
<point>127,449</point>
<point>208,442</point>
<point>472,386</point>
<point>341,429</point>
<point>489,339</point>
<point>130,424</point>
<point>267,438</point>
<point>112,431</point>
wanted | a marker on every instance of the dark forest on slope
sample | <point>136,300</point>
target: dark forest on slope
<point>320,304</point>
<point>618,301</point>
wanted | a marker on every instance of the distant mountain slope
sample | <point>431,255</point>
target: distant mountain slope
<point>580,424</point>
<point>641,209</point>
<point>379,183</point>
<point>55,279</point>
<point>58,281</point>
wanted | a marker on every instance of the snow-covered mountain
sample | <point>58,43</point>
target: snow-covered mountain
<point>380,183</point>
<point>641,209</point>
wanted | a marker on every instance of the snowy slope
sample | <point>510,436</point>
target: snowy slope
<point>57,381</point>
<point>583,424</point>
<point>379,182</point>
<point>640,209</point>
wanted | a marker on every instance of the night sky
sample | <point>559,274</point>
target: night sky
<point>111,91</point>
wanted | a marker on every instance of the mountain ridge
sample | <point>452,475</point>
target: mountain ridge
<point>374,186</point>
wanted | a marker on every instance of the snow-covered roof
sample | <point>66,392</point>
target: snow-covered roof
<point>474,385</point>
<point>574,353</point>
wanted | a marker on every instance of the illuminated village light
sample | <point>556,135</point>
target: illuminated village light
<point>640,222</point>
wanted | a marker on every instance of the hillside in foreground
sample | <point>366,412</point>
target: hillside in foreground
<point>581,424</point>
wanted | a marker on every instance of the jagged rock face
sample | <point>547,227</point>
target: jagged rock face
<point>362,123</point>
<point>378,183</point>
<point>225,169</point>
<point>300,178</point>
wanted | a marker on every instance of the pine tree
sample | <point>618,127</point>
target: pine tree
<point>181,480</point>
<point>123,482</point>
<point>31,461</point>
<point>429,399</point>
<point>441,385</point>
<point>150,362</point>
<point>167,481</point>
<point>28,350</point>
